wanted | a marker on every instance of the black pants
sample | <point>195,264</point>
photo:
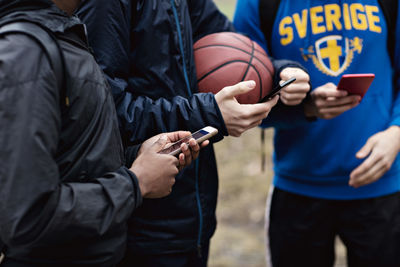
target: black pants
<point>302,230</point>
<point>187,259</point>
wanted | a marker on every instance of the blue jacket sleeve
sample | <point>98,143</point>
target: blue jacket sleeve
<point>109,25</point>
<point>247,21</point>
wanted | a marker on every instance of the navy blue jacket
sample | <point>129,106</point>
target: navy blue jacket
<point>145,49</point>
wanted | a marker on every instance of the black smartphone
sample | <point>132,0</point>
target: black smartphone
<point>199,136</point>
<point>277,89</point>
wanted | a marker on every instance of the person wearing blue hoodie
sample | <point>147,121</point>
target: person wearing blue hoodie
<point>335,158</point>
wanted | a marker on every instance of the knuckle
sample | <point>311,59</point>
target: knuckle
<point>288,96</point>
<point>380,156</point>
<point>330,84</point>
<point>238,133</point>
<point>306,77</point>
<point>386,166</point>
<point>246,114</point>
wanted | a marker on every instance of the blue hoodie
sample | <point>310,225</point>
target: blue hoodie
<point>330,38</point>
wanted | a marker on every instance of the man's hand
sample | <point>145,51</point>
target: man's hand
<point>155,172</point>
<point>239,118</point>
<point>294,93</point>
<point>327,102</point>
<point>380,151</point>
<point>189,153</point>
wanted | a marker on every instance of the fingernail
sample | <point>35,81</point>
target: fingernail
<point>164,137</point>
<point>251,84</point>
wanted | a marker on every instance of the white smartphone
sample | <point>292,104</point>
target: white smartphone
<point>200,136</point>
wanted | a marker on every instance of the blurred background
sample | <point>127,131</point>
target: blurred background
<point>243,189</point>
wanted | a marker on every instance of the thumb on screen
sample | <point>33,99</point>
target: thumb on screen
<point>159,144</point>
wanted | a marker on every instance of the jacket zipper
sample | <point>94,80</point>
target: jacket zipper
<point>174,10</point>
<point>178,27</point>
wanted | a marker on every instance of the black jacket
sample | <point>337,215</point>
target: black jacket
<point>145,49</point>
<point>65,195</point>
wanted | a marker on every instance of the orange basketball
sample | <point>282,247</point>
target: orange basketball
<point>226,58</point>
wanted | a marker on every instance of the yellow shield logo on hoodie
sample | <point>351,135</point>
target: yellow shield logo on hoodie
<point>333,54</point>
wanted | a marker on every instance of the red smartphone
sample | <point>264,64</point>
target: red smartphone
<point>356,84</point>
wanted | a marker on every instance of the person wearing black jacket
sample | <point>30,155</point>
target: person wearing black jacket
<point>145,48</point>
<point>66,188</point>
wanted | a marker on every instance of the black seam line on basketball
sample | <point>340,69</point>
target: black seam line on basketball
<point>244,51</point>
<point>248,66</point>
<point>259,76</point>
<point>259,79</point>
<point>220,66</point>
<point>261,85</point>
<point>245,42</point>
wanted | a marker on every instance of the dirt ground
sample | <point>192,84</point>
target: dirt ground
<point>239,239</point>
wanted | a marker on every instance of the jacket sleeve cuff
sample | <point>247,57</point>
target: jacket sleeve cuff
<point>136,188</point>
<point>282,64</point>
<point>395,122</point>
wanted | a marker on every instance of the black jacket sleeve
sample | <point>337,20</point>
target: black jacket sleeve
<point>37,206</point>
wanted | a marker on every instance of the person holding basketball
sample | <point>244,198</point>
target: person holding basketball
<point>146,50</point>
<point>67,186</point>
<point>338,175</point>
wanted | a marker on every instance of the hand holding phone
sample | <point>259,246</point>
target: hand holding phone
<point>200,136</point>
<point>277,89</point>
<point>356,84</point>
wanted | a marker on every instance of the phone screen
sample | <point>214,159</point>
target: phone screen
<point>175,146</point>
